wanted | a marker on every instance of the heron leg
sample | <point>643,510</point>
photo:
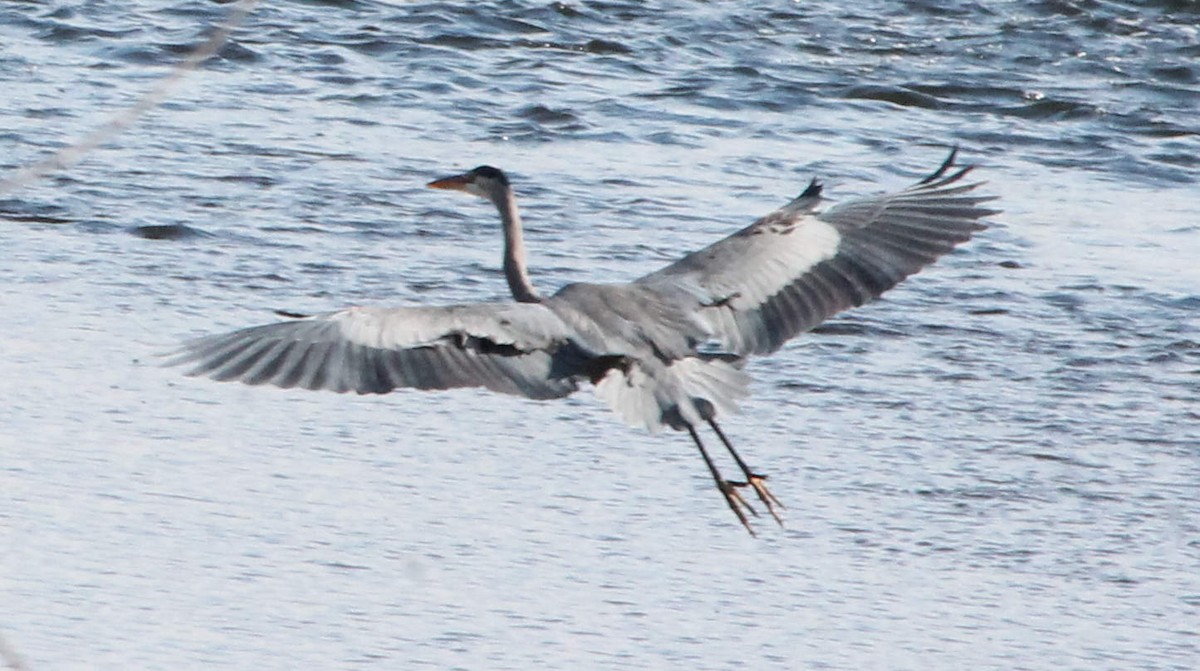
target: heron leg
<point>727,489</point>
<point>755,480</point>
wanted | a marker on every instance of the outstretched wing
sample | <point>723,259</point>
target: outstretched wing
<point>792,269</point>
<point>515,348</point>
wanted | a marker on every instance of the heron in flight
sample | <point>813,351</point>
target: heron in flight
<point>664,351</point>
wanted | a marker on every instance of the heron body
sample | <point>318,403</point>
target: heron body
<point>665,350</point>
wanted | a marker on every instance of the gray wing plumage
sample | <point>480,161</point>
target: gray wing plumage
<point>792,269</point>
<point>513,348</point>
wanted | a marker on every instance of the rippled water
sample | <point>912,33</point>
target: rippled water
<point>997,466</point>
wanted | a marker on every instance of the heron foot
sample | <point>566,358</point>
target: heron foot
<point>759,483</point>
<point>737,504</point>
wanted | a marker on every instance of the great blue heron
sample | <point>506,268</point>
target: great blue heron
<point>664,350</point>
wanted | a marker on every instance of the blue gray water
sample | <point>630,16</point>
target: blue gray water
<point>995,467</point>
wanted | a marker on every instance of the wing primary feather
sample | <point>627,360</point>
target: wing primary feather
<point>424,377</point>
<point>946,165</point>
<point>926,225</point>
<point>393,360</point>
<point>949,212</point>
<point>881,274</point>
<point>238,352</point>
<point>317,365</point>
<point>926,250</point>
<point>238,368</point>
<point>448,365</point>
<point>813,190</point>
<point>759,324</point>
<point>268,363</point>
<point>870,279</point>
<point>791,309</point>
<point>373,375</point>
<point>292,366</point>
<point>213,353</point>
<point>831,300</point>
<point>411,362</point>
<point>335,367</point>
<point>948,179</point>
<point>495,376</point>
<point>845,282</point>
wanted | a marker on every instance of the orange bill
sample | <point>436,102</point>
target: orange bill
<point>457,183</point>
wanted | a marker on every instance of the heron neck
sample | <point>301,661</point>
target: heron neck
<point>514,252</point>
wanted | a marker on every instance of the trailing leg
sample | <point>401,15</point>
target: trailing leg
<point>736,503</point>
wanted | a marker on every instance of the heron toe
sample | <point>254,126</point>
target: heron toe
<point>759,483</point>
<point>738,504</point>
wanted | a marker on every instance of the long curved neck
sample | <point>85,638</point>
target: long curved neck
<point>514,250</point>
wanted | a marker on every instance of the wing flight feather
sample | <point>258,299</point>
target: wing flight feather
<point>794,268</point>
<point>507,347</point>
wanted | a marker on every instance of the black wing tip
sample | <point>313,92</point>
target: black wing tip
<point>944,174</point>
<point>813,190</point>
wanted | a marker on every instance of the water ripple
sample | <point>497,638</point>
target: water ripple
<point>996,457</point>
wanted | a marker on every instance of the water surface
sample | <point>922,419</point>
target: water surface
<point>996,466</point>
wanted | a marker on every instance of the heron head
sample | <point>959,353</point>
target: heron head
<point>484,181</point>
